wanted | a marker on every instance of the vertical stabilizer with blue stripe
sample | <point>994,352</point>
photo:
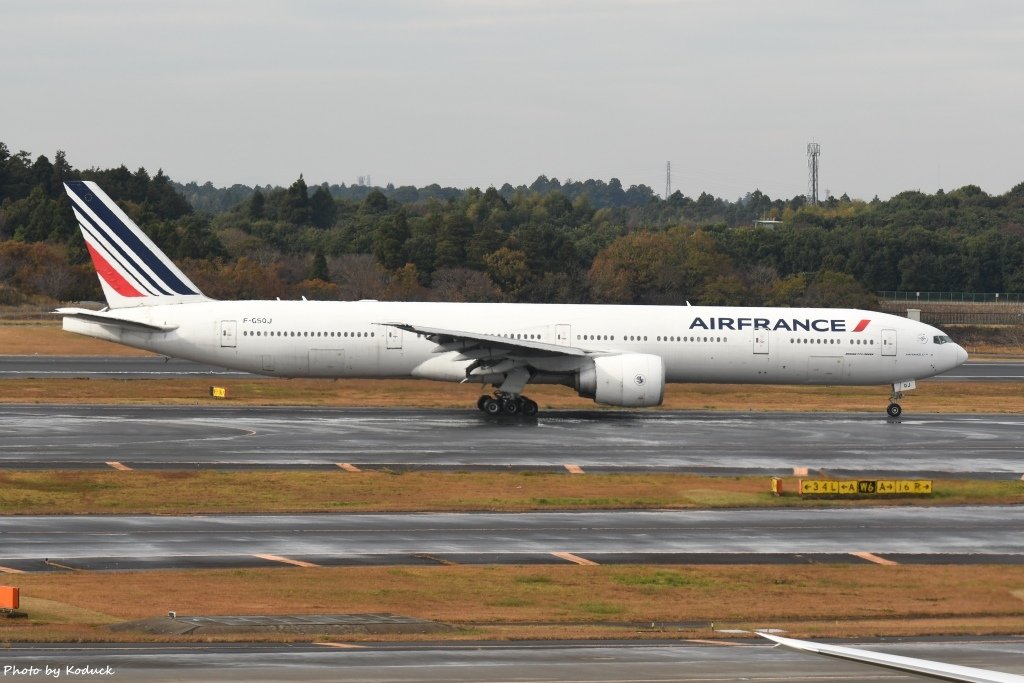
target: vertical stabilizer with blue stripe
<point>132,270</point>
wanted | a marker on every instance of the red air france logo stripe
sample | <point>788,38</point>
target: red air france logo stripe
<point>111,276</point>
<point>861,325</point>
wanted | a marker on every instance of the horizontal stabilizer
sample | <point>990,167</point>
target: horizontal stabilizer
<point>108,319</point>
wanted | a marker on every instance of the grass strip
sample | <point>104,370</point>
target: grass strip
<point>931,396</point>
<point>556,601</point>
<point>190,492</point>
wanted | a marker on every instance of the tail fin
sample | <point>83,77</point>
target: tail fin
<point>132,270</point>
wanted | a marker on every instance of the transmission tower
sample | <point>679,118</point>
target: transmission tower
<point>668,179</point>
<point>813,150</point>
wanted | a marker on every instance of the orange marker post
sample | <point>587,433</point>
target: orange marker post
<point>9,597</point>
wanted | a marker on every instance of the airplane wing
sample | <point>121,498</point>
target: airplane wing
<point>457,340</point>
<point>923,667</point>
<point>111,319</point>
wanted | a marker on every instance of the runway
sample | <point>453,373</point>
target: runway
<point>189,437</point>
<point>490,662</point>
<point>158,367</point>
<point>904,535</point>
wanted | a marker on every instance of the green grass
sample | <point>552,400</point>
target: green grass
<point>663,579</point>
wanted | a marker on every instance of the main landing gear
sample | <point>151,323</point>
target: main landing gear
<point>507,404</point>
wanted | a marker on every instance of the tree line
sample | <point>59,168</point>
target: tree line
<point>551,241</point>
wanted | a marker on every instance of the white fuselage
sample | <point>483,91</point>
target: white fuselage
<point>696,343</point>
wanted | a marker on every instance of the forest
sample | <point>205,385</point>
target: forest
<point>551,242</point>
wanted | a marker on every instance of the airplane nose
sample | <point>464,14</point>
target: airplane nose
<point>961,355</point>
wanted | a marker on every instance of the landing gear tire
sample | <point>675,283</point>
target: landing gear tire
<point>504,404</point>
<point>529,408</point>
<point>894,410</point>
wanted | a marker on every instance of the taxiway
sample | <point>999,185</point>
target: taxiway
<point>476,662</point>
<point>901,535</point>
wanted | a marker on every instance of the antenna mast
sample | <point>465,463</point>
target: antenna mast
<point>813,150</point>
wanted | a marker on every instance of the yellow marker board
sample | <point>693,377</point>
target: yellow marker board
<point>887,487</point>
<point>219,392</point>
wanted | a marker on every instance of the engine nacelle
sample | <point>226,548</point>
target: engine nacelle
<point>626,379</point>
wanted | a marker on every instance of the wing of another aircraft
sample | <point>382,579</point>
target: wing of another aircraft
<point>923,667</point>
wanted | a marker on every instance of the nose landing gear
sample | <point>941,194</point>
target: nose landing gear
<point>894,410</point>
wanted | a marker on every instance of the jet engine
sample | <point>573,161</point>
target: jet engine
<point>627,379</point>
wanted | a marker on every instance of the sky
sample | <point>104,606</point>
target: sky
<point>900,95</point>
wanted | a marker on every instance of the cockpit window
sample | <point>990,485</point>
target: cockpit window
<point>942,339</point>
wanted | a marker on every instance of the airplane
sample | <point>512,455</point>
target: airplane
<point>923,667</point>
<point>616,355</point>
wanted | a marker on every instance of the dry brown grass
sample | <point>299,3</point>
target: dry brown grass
<point>546,601</point>
<point>952,397</point>
<point>46,338</point>
<point>73,492</point>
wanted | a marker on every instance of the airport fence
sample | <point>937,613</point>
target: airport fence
<point>953,297</point>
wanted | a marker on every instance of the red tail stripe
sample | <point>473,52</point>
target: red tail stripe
<point>111,276</point>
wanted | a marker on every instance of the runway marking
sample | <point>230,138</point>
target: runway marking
<point>871,557</point>
<point>118,466</point>
<point>435,558</point>
<point>727,643</point>
<point>58,565</point>
<point>346,646</point>
<point>11,570</point>
<point>286,560</point>
<point>574,558</point>
<point>348,467</point>
<point>799,471</point>
<point>574,469</point>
